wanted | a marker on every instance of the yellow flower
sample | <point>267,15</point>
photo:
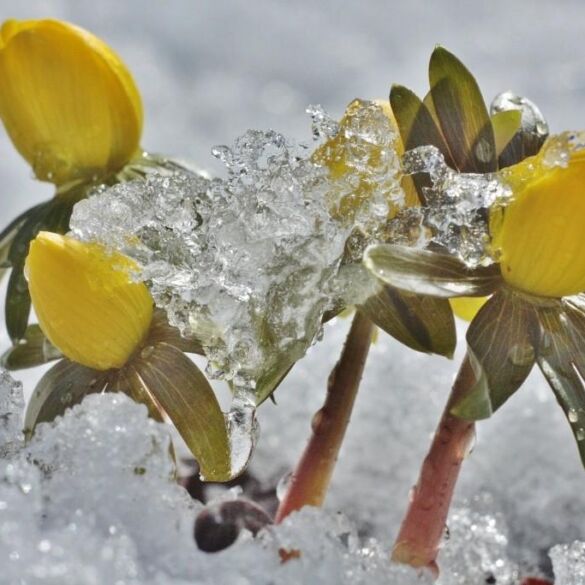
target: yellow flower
<point>85,301</point>
<point>538,237</point>
<point>68,102</point>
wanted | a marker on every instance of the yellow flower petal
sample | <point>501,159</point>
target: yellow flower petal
<point>333,154</point>
<point>539,236</point>
<point>466,308</point>
<point>68,102</point>
<point>85,301</point>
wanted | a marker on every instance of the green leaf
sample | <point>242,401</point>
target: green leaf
<point>52,216</point>
<point>161,331</point>
<point>63,386</point>
<point>505,125</point>
<point>4,262</point>
<point>33,350</point>
<point>556,359</point>
<point>574,310</point>
<point>7,235</point>
<point>500,343</point>
<point>17,307</point>
<point>415,122</point>
<point>420,322</point>
<point>183,392</point>
<point>128,381</point>
<point>429,273</point>
<point>271,379</point>
<point>462,114</point>
<point>417,128</point>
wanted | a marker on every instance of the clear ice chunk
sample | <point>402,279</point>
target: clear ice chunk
<point>456,210</point>
<point>245,263</point>
<point>249,263</point>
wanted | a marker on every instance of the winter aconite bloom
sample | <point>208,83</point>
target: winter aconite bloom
<point>538,237</point>
<point>86,302</point>
<point>68,102</point>
<point>536,314</point>
<point>103,322</point>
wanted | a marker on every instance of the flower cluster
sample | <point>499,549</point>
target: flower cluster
<point>439,205</point>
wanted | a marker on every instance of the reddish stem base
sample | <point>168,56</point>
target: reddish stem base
<point>310,480</point>
<point>423,527</point>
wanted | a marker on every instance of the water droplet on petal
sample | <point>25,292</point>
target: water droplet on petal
<point>484,150</point>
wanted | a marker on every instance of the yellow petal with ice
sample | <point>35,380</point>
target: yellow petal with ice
<point>334,153</point>
<point>68,102</point>
<point>539,237</point>
<point>86,302</point>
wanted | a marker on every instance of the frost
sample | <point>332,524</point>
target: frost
<point>558,150</point>
<point>569,563</point>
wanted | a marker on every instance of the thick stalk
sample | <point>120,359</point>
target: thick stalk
<point>310,480</point>
<point>423,527</point>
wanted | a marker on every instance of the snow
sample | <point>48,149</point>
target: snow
<point>92,499</point>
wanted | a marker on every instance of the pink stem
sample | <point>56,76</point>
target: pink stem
<point>423,527</point>
<point>310,480</point>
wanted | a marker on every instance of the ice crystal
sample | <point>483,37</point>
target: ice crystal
<point>245,263</point>
<point>476,545</point>
<point>365,171</point>
<point>91,500</point>
<point>248,263</point>
<point>456,209</point>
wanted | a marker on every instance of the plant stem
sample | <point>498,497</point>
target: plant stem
<point>423,527</point>
<point>310,480</point>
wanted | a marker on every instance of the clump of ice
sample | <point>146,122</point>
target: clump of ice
<point>245,263</point>
<point>569,563</point>
<point>248,263</point>
<point>458,205</point>
<point>365,180</point>
<point>456,209</point>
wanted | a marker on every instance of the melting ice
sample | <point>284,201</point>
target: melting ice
<point>456,209</point>
<point>249,263</point>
